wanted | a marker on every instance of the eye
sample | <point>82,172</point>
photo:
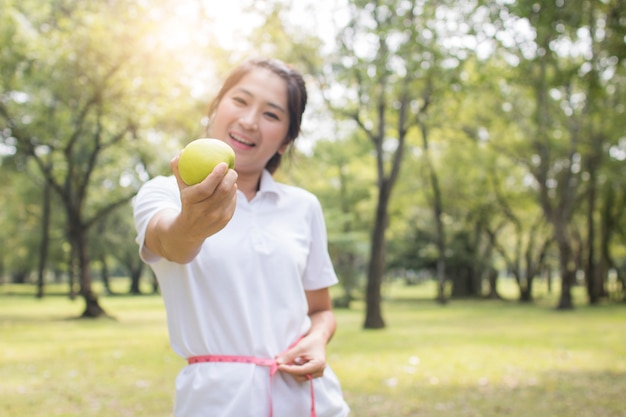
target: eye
<point>272,115</point>
<point>239,100</point>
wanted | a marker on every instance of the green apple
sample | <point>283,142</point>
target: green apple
<point>200,156</point>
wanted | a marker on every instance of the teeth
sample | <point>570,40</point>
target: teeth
<point>240,140</point>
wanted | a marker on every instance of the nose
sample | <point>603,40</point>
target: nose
<point>249,119</point>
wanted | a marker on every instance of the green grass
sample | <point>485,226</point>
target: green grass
<point>467,359</point>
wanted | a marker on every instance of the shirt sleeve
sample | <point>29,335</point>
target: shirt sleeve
<point>319,272</point>
<point>155,195</point>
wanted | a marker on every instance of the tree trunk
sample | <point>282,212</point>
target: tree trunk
<point>19,277</point>
<point>437,215</point>
<point>590,266</point>
<point>607,228</point>
<point>549,279</point>
<point>492,280</point>
<point>45,240</point>
<point>92,306</point>
<point>78,238</point>
<point>135,281</point>
<point>568,273</point>
<point>462,282</point>
<point>105,275</point>
<point>71,270</point>
<point>441,264</point>
<point>525,294</point>
<point>376,269</point>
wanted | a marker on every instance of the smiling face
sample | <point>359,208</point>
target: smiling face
<point>296,98</point>
<point>253,118</point>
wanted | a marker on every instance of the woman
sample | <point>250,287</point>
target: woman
<point>243,265</point>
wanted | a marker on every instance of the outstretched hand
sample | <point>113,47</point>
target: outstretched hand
<point>177,235</point>
<point>209,205</point>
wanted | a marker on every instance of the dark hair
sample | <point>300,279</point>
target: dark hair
<point>296,96</point>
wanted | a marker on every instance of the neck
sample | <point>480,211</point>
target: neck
<point>248,184</point>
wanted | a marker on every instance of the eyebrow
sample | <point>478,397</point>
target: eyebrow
<point>269,103</point>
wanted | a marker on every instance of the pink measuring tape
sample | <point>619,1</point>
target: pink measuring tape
<point>270,363</point>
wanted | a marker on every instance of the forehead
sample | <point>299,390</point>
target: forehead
<point>264,85</point>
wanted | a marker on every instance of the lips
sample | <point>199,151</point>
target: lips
<point>240,140</point>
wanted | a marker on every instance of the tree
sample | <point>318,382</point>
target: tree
<point>399,62</point>
<point>602,64</point>
<point>337,172</point>
<point>79,81</point>
<point>20,219</point>
<point>565,87</point>
<point>526,252</point>
<point>378,68</point>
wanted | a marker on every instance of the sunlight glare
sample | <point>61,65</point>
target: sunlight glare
<point>178,25</point>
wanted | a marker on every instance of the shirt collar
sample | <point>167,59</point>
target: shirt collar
<point>268,184</point>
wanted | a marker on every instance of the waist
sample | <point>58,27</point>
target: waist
<point>252,360</point>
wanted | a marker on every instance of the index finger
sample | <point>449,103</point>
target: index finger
<point>174,166</point>
<point>303,372</point>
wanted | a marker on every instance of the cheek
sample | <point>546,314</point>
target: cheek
<point>218,122</point>
<point>278,131</point>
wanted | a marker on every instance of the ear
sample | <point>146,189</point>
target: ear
<point>283,147</point>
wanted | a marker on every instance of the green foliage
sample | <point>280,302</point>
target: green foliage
<point>94,99</point>
<point>514,102</point>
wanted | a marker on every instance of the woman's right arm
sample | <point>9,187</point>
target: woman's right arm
<point>206,208</point>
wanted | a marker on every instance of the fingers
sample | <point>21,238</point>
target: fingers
<point>211,181</point>
<point>303,361</point>
<point>218,174</point>
<point>220,184</point>
<point>302,370</point>
<point>209,205</point>
<point>220,181</point>
<point>174,166</point>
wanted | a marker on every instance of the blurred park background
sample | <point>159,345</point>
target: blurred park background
<point>469,156</point>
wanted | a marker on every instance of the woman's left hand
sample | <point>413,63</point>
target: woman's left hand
<point>307,357</point>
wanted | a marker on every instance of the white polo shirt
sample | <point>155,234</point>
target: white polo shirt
<point>244,294</point>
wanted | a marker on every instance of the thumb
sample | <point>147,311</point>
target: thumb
<point>284,358</point>
<point>290,356</point>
